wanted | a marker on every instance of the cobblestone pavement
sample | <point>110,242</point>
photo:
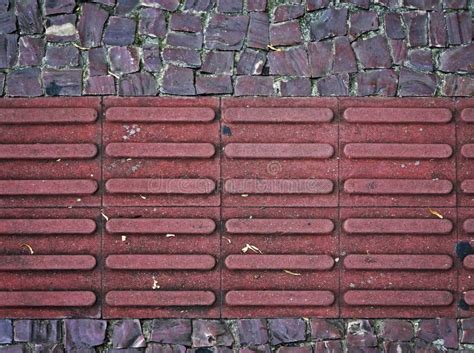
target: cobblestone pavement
<point>245,336</point>
<point>236,47</point>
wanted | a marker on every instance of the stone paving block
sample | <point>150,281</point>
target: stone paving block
<point>50,263</point>
<point>279,262</point>
<point>397,156</point>
<point>49,152</point>
<point>398,262</point>
<point>279,152</point>
<point>162,262</point>
<point>161,152</point>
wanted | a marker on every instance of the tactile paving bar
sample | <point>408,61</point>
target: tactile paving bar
<point>161,152</point>
<point>398,262</point>
<point>465,139</point>
<point>280,262</point>
<point>396,154</point>
<point>465,256</point>
<point>50,263</point>
<point>279,152</point>
<point>49,152</point>
<point>162,262</point>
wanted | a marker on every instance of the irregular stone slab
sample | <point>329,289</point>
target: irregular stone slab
<point>417,28</point>
<point>138,84</point>
<point>24,82</point>
<point>256,5</point>
<point>63,82</point>
<point>182,56</point>
<point>286,330</point>
<point>394,25</point>
<point>360,334</point>
<point>420,60</point>
<point>152,23</point>
<point>344,58</point>
<point>60,57</point>
<point>61,28</point>
<point>399,50</point>
<point>251,62</point>
<point>230,6</point>
<point>169,5</point>
<point>128,334</point>
<point>6,331</point>
<point>91,25</point>
<point>186,40</point>
<point>120,31</point>
<point>178,80</point>
<point>84,333</point>
<point>198,5</point>
<point>254,86</point>
<point>457,59</point>
<point>173,331</point>
<point>185,22</point>
<point>363,22</point>
<point>208,333</point>
<point>124,60</point>
<point>437,30</point>
<point>458,86</point>
<point>31,50</point>
<point>287,33</point>
<point>291,62</point>
<point>37,331</point>
<point>287,12</point>
<point>7,22</point>
<point>296,87</point>
<point>397,330</point>
<point>218,62</point>
<point>334,85</point>
<point>373,52</point>
<point>252,331</point>
<point>377,83</point>
<point>97,61</point>
<point>54,7</point>
<point>221,84</point>
<point>258,32</point>
<point>124,7</point>
<point>29,17</point>
<point>459,25</point>
<point>100,85</point>
<point>416,84</point>
<point>226,32</point>
<point>322,329</point>
<point>329,23</point>
<point>151,58</point>
<point>321,58</point>
<point>8,50</point>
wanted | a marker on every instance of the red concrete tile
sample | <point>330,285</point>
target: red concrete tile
<point>280,262</point>
<point>161,151</point>
<point>162,262</point>
<point>279,152</point>
<point>465,258</point>
<point>398,262</point>
<point>50,262</point>
<point>49,152</point>
<point>465,148</point>
<point>397,152</point>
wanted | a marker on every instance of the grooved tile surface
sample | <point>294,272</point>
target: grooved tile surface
<point>208,208</point>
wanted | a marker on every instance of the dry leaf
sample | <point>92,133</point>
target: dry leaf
<point>248,247</point>
<point>245,195</point>
<point>228,240</point>
<point>155,284</point>
<point>28,246</point>
<point>271,47</point>
<point>435,213</point>
<point>105,216</point>
<point>143,197</point>
<point>170,235</point>
<point>292,273</point>
<point>79,47</point>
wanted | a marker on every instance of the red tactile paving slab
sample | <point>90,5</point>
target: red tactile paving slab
<point>279,152</point>
<point>398,262</point>
<point>280,262</point>
<point>162,262</point>
<point>395,154</point>
<point>49,263</point>
<point>465,139</point>
<point>465,255</point>
<point>49,152</point>
<point>161,151</point>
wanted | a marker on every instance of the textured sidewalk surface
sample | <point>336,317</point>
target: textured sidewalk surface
<point>242,336</point>
<point>236,47</point>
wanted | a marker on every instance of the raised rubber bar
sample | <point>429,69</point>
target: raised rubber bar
<point>46,262</point>
<point>469,297</point>
<point>279,226</point>
<point>160,262</point>
<point>468,262</point>
<point>160,150</point>
<point>279,150</point>
<point>48,187</point>
<point>278,115</point>
<point>47,115</point>
<point>467,186</point>
<point>398,187</point>
<point>48,151</point>
<point>397,151</point>
<point>159,114</point>
<point>47,226</point>
<point>467,150</point>
<point>398,262</point>
<point>398,115</point>
<point>160,186</point>
<point>397,226</point>
<point>278,186</point>
<point>279,262</point>
<point>468,226</point>
<point>279,298</point>
<point>398,298</point>
<point>47,299</point>
<point>467,115</point>
<point>161,226</point>
<point>160,298</point>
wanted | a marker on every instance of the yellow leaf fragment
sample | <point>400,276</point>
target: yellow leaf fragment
<point>105,216</point>
<point>292,273</point>
<point>28,246</point>
<point>271,47</point>
<point>155,284</point>
<point>435,213</point>
<point>253,248</point>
